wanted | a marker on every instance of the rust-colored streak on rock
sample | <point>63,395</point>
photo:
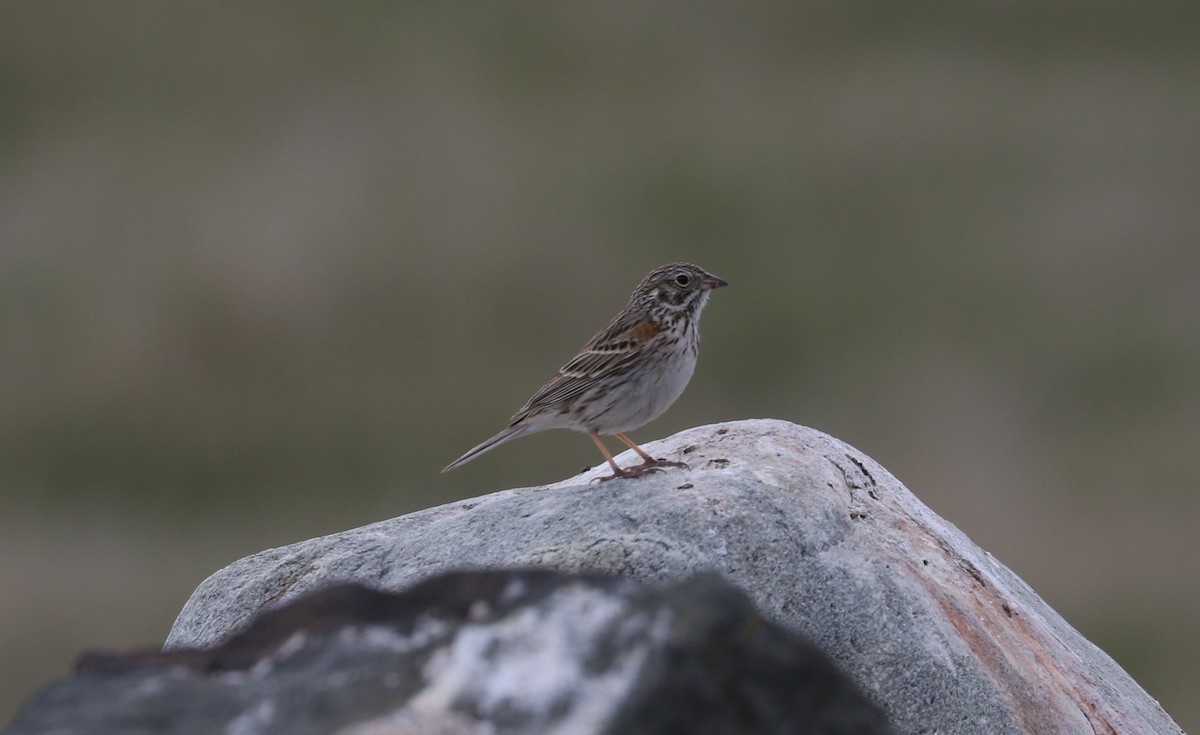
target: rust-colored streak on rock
<point>1008,646</point>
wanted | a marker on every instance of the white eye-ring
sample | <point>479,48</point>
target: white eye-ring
<point>683,279</point>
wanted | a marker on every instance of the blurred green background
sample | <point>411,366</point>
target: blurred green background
<point>266,268</point>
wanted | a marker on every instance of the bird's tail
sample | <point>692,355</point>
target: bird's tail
<point>512,432</point>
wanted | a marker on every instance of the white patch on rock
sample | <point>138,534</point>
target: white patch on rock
<point>532,663</point>
<point>252,722</point>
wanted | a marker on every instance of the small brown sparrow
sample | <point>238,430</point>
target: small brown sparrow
<point>628,374</point>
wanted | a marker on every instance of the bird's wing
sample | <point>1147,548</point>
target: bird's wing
<point>610,351</point>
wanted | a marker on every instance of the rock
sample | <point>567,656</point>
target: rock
<point>476,653</point>
<point>823,540</point>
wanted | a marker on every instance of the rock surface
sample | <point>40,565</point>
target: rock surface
<point>477,653</point>
<point>823,540</point>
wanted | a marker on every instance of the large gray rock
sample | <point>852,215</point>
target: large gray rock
<point>476,653</point>
<point>823,539</point>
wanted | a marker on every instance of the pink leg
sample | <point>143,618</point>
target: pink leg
<point>648,463</point>
<point>617,471</point>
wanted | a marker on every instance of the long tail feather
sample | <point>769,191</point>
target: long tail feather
<point>508,434</point>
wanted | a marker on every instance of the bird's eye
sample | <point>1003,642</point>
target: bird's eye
<point>683,279</point>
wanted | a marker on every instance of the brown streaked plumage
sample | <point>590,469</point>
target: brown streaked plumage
<point>628,374</point>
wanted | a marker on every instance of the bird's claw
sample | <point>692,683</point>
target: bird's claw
<point>645,468</point>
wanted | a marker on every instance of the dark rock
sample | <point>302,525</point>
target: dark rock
<point>473,653</point>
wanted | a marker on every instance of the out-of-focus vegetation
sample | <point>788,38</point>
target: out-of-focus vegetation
<point>266,268</point>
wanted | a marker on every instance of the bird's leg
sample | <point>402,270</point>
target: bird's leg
<point>648,463</point>
<point>617,471</point>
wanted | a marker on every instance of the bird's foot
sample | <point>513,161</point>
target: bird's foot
<point>646,467</point>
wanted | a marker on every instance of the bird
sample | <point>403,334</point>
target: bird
<point>628,374</point>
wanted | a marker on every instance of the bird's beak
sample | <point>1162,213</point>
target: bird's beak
<point>709,282</point>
